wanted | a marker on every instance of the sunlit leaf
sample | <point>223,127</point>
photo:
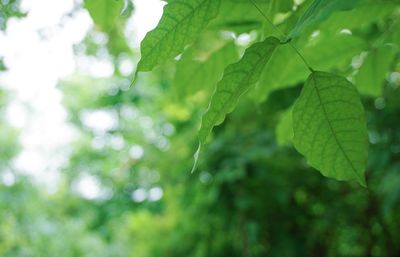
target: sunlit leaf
<point>181,23</point>
<point>330,128</point>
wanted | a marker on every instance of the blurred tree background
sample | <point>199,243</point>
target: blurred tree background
<point>252,194</point>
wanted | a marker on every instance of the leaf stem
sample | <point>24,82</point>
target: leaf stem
<point>286,39</point>
<point>302,57</point>
<point>269,21</point>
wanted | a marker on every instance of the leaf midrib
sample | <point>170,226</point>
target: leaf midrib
<point>233,95</point>
<point>331,127</point>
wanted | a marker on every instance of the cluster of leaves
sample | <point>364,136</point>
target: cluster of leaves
<point>328,118</point>
<point>252,195</point>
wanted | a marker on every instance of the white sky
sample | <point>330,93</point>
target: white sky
<point>38,52</point>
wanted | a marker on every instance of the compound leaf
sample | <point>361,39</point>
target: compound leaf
<point>181,23</point>
<point>330,128</point>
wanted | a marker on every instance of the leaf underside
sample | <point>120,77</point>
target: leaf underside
<point>330,128</point>
<point>180,24</point>
<point>237,79</point>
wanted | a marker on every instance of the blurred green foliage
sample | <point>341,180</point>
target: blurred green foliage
<point>9,9</point>
<point>252,194</point>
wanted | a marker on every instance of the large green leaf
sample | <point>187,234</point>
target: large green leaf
<point>194,75</point>
<point>237,79</point>
<point>330,128</point>
<point>318,11</point>
<point>374,70</point>
<point>181,23</point>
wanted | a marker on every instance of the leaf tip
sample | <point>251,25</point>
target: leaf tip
<point>363,182</point>
<point>196,159</point>
<point>124,8</point>
<point>134,78</point>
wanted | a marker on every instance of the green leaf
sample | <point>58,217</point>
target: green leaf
<point>373,71</point>
<point>194,75</point>
<point>318,11</point>
<point>181,23</point>
<point>330,128</point>
<point>237,79</point>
